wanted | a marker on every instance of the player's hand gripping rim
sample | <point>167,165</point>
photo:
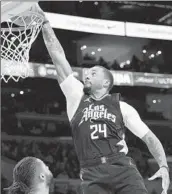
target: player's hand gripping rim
<point>163,173</point>
<point>38,10</point>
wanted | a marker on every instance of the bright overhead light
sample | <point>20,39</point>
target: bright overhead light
<point>159,52</point>
<point>96,3</point>
<point>93,53</point>
<point>152,55</point>
<point>21,92</point>
<point>99,49</point>
<point>83,47</point>
<point>154,101</point>
<point>122,64</point>
<point>144,51</point>
<point>128,62</point>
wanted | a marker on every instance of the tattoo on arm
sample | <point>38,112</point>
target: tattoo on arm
<point>56,53</point>
<point>51,42</point>
<point>155,148</point>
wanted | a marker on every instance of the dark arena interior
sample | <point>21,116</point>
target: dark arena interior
<point>33,110</point>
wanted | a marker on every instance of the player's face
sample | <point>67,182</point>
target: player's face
<point>47,173</point>
<point>94,79</point>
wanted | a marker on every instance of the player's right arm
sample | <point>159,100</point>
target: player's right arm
<point>71,87</point>
<point>56,53</point>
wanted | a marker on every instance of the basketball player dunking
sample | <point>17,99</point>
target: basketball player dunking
<point>98,120</point>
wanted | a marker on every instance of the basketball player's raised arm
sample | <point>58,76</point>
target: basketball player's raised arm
<point>71,87</point>
<point>56,52</point>
<point>134,123</point>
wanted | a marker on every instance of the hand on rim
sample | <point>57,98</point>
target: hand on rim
<point>36,8</point>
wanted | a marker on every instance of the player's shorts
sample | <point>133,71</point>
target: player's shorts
<point>117,175</point>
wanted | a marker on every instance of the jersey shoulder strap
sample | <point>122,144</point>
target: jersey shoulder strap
<point>116,97</point>
<point>80,106</point>
<point>116,103</point>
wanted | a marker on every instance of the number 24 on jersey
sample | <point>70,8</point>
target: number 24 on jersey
<point>97,130</point>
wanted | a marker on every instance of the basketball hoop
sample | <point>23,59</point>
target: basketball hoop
<point>16,41</point>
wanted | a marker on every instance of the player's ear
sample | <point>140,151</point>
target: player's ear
<point>42,177</point>
<point>106,83</point>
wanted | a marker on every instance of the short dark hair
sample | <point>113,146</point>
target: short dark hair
<point>108,76</point>
<point>23,174</point>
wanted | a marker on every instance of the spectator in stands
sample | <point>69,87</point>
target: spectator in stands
<point>30,175</point>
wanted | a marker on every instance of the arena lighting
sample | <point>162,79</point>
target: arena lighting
<point>154,101</point>
<point>159,52</point>
<point>21,92</point>
<point>12,95</point>
<point>122,64</point>
<point>144,51</point>
<point>99,49</point>
<point>93,53</point>
<point>83,47</point>
<point>128,62</point>
<point>152,56</point>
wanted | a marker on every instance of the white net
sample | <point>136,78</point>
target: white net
<point>16,41</point>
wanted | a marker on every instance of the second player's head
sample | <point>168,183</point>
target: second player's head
<point>30,175</point>
<point>98,78</point>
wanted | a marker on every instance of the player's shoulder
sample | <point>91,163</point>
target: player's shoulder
<point>127,109</point>
<point>125,105</point>
<point>115,97</point>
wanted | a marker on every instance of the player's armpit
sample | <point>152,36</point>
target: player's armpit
<point>155,148</point>
<point>56,53</point>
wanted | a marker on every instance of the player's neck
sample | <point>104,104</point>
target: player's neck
<point>99,94</point>
<point>41,190</point>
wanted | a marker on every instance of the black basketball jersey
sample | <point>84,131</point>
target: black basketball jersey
<point>97,127</point>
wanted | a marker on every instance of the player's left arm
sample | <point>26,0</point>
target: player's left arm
<point>134,123</point>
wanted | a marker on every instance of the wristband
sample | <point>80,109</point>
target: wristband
<point>165,167</point>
